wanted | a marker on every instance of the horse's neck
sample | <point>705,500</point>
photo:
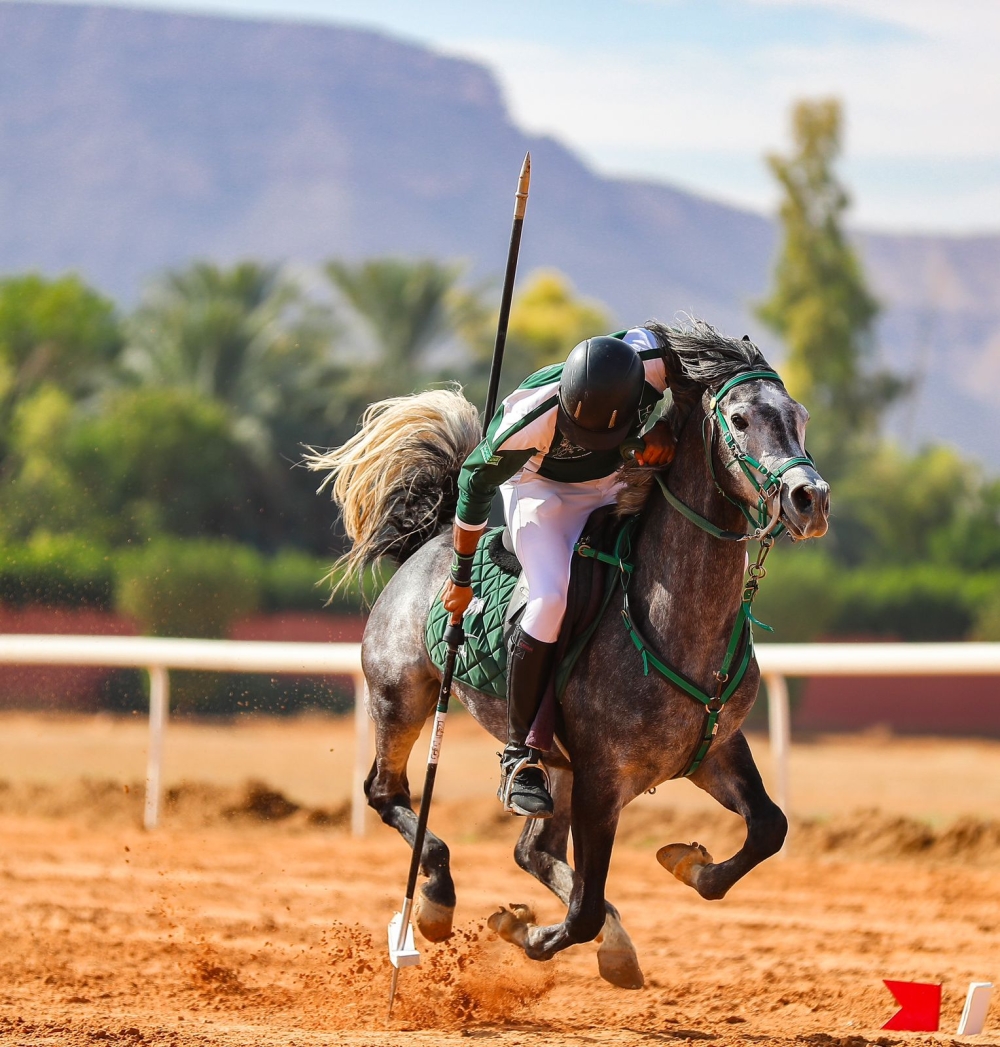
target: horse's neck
<point>686,588</point>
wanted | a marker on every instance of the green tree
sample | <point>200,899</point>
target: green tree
<point>406,304</point>
<point>972,538</point>
<point>819,303</point>
<point>57,332</point>
<point>898,508</point>
<point>153,461</point>
<point>249,339</point>
<point>244,336</point>
<point>402,311</point>
<point>547,318</point>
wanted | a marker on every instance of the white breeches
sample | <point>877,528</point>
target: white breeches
<point>545,519</point>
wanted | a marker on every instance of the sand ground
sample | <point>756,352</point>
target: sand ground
<point>228,927</point>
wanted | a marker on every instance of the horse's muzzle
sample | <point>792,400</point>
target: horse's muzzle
<point>805,504</point>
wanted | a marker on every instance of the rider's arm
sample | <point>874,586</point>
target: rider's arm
<point>521,428</point>
<point>659,439</point>
<point>645,344</point>
<point>482,474</point>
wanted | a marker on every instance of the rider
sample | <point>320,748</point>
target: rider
<point>553,451</point>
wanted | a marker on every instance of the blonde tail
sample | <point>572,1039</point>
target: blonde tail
<point>396,480</point>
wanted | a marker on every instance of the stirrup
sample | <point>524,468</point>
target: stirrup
<point>508,778</point>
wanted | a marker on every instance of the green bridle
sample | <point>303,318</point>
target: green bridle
<point>766,528</point>
<point>767,483</point>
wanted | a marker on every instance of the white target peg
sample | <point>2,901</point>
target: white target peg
<point>401,954</point>
<point>977,1003</point>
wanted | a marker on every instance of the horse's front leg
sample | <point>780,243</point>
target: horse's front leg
<point>541,851</point>
<point>594,823</point>
<point>730,775</point>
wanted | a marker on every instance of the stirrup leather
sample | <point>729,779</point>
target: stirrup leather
<point>507,781</point>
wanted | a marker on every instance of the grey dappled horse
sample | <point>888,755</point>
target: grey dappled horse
<point>625,732</point>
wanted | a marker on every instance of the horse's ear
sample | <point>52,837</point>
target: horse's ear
<point>746,338</point>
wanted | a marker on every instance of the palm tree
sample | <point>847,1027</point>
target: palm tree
<point>405,310</point>
<point>245,336</point>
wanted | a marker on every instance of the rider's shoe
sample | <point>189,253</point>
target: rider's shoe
<point>524,783</point>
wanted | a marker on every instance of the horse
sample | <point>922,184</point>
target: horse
<point>623,729</point>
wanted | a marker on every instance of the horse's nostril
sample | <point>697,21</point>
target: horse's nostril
<point>802,497</point>
<point>808,499</point>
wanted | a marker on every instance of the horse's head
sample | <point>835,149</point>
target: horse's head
<point>754,432</point>
<point>758,440</point>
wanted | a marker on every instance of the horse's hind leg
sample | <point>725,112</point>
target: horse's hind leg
<point>541,851</point>
<point>399,715</point>
<point>730,775</point>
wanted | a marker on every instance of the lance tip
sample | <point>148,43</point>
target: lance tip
<point>521,199</point>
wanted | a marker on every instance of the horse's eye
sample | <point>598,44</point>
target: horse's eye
<point>739,422</point>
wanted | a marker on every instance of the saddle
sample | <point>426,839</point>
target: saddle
<point>499,592</point>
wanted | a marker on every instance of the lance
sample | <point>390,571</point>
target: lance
<point>402,951</point>
<point>520,205</point>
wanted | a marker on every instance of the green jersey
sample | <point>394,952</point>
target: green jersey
<point>524,436</point>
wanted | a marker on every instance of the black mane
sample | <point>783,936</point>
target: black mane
<point>697,358</point>
<point>698,355</point>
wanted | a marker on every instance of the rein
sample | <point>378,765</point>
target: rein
<point>766,528</point>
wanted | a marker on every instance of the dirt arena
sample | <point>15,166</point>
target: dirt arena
<point>252,916</point>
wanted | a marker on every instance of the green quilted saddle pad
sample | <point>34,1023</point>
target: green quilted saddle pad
<point>482,659</point>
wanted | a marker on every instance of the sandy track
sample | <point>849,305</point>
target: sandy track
<point>220,930</point>
<point>263,935</point>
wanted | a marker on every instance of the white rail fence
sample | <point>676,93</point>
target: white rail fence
<point>159,655</point>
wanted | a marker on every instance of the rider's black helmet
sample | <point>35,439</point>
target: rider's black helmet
<point>599,393</point>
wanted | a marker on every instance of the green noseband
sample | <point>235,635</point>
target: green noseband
<point>765,482</point>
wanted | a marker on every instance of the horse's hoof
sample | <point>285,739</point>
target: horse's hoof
<point>616,958</point>
<point>620,968</point>
<point>685,860</point>
<point>509,925</point>
<point>433,920</point>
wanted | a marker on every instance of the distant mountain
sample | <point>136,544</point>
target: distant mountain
<point>131,141</point>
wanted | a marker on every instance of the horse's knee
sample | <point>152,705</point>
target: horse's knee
<point>769,831</point>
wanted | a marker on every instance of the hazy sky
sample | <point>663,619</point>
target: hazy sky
<point>694,92</point>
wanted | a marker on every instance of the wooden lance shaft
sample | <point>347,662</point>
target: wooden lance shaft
<point>520,205</point>
<point>454,636</point>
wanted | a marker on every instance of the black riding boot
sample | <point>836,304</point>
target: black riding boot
<point>523,782</point>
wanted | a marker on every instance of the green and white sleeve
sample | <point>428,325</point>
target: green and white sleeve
<point>522,429</point>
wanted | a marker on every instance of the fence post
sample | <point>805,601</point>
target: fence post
<point>362,748</point>
<point>159,707</point>
<point>780,731</point>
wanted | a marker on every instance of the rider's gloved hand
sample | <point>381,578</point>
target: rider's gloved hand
<point>457,594</point>
<point>456,598</point>
<point>660,446</point>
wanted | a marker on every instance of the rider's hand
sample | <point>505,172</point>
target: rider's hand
<point>456,598</point>
<point>660,446</point>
